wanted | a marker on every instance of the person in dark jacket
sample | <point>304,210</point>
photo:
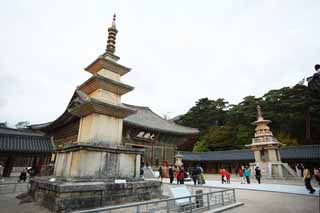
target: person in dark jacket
<point>23,176</point>
<point>258,174</point>
<point>171,174</point>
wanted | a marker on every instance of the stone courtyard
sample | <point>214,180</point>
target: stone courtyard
<point>254,200</point>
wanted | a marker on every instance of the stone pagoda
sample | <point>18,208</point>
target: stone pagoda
<point>97,169</point>
<point>266,150</point>
<point>98,151</point>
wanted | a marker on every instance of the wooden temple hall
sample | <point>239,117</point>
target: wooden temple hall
<point>95,114</point>
<point>143,129</point>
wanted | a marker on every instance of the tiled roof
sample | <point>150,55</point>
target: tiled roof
<point>12,140</point>
<point>143,118</point>
<point>146,118</point>
<point>286,153</point>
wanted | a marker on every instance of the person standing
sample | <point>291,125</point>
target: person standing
<point>247,174</point>
<point>317,175</point>
<point>171,174</point>
<point>181,175</point>
<point>301,168</point>
<point>160,173</point>
<point>307,180</point>
<point>258,174</point>
<point>222,174</point>
<point>195,175</point>
<point>241,175</point>
<point>228,176</point>
<point>23,176</point>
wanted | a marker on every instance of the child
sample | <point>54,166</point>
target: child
<point>241,175</point>
<point>228,176</point>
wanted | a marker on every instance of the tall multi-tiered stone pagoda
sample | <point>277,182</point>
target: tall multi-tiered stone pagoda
<point>266,150</point>
<point>98,151</point>
<point>96,168</point>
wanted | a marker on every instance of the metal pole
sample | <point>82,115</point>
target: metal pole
<point>138,209</point>
<point>14,188</point>
<point>234,195</point>
<point>208,200</point>
<point>168,210</point>
<point>222,198</point>
<point>190,204</point>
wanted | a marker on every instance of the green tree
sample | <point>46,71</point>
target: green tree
<point>22,124</point>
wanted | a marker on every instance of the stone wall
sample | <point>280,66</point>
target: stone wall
<point>65,196</point>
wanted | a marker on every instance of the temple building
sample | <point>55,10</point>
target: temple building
<point>139,127</point>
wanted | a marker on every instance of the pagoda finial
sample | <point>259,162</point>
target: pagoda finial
<point>112,32</point>
<point>259,113</point>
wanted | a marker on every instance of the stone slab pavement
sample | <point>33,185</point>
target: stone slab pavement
<point>282,188</point>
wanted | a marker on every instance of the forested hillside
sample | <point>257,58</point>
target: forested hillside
<point>295,115</point>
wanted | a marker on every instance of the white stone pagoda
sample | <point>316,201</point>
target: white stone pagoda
<point>266,151</point>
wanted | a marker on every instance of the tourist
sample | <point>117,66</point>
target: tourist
<point>201,177</point>
<point>222,174</point>
<point>247,174</point>
<point>171,173</point>
<point>307,180</point>
<point>301,168</point>
<point>228,176</point>
<point>181,175</point>
<point>317,175</point>
<point>258,174</point>
<point>241,175</point>
<point>23,175</point>
<point>160,173</point>
<point>195,175</point>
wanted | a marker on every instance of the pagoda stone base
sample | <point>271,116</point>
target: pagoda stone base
<point>61,195</point>
<point>274,170</point>
<point>98,161</point>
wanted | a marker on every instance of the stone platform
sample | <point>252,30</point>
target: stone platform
<point>61,195</point>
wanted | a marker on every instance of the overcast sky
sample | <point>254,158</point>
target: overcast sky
<point>179,51</point>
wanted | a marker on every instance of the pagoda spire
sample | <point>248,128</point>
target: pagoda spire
<point>259,113</point>
<point>112,32</point>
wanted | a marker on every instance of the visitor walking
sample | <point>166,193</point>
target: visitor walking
<point>222,174</point>
<point>307,180</point>
<point>181,175</point>
<point>317,175</point>
<point>242,178</point>
<point>228,176</point>
<point>160,173</point>
<point>195,175</point>
<point>258,174</point>
<point>23,175</point>
<point>171,174</point>
<point>247,174</point>
<point>301,168</point>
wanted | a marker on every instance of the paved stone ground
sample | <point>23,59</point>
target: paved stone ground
<point>271,202</point>
<point>297,188</point>
<point>257,199</point>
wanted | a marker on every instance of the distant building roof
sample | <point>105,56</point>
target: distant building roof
<point>13,140</point>
<point>146,118</point>
<point>286,153</point>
